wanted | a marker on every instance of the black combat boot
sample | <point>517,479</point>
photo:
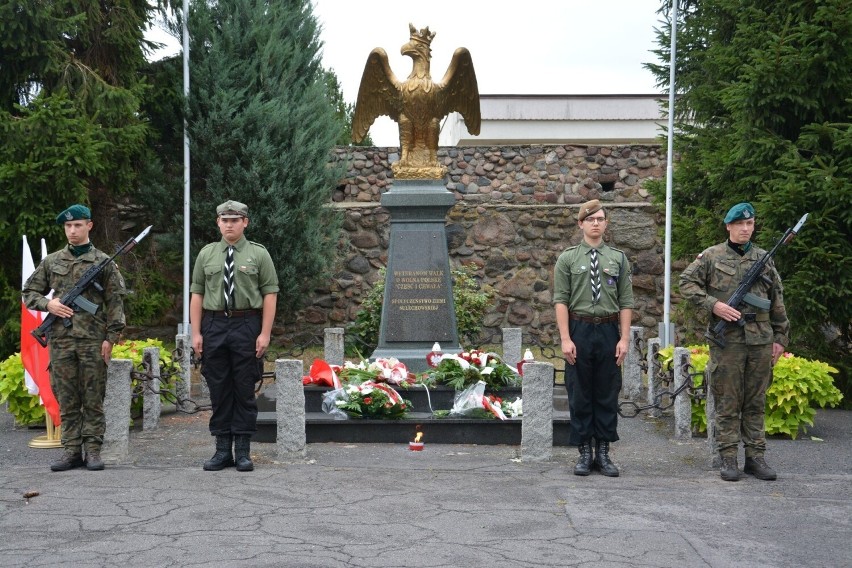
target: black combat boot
<point>93,460</point>
<point>729,471</point>
<point>69,460</point>
<point>584,463</point>
<point>758,467</point>
<point>223,457</point>
<point>242,452</point>
<point>602,461</point>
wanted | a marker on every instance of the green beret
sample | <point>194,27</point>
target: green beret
<point>232,210</point>
<point>739,211</point>
<point>74,213</point>
<point>588,208</point>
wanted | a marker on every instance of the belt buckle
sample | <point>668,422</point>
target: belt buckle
<point>597,320</point>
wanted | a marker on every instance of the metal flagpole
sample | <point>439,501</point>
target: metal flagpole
<point>667,293</point>
<point>186,328</point>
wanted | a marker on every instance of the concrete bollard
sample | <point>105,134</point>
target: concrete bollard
<point>151,401</point>
<point>117,411</point>
<point>333,346</point>
<point>710,413</point>
<point>290,408</point>
<point>183,383</point>
<point>537,421</point>
<point>513,340</point>
<point>653,369</point>
<point>632,369</point>
<point>682,402</point>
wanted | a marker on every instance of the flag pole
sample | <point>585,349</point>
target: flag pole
<point>667,334</point>
<point>186,179</point>
<point>52,437</point>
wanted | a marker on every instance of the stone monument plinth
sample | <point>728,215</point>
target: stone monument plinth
<point>418,308</point>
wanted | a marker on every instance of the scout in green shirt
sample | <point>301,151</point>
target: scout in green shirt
<point>234,294</point>
<point>593,298</point>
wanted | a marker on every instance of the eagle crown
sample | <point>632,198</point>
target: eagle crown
<point>423,36</point>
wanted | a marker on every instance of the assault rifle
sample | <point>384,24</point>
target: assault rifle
<point>74,297</point>
<point>742,294</point>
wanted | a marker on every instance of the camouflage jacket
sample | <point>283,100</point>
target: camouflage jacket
<point>715,274</point>
<point>59,272</point>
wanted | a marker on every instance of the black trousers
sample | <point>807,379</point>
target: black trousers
<point>593,383</point>
<point>231,369</point>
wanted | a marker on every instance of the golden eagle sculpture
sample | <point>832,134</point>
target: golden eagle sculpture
<point>417,104</point>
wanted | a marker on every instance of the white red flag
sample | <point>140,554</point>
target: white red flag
<point>35,357</point>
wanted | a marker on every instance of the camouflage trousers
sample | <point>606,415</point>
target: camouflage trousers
<point>739,377</point>
<point>78,380</point>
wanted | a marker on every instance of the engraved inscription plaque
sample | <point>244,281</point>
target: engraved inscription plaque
<point>418,288</point>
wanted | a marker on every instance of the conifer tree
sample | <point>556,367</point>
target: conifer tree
<point>261,130</point>
<point>764,114</point>
<point>70,126</point>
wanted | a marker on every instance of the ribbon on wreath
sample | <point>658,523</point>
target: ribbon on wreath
<point>394,396</point>
<point>322,374</point>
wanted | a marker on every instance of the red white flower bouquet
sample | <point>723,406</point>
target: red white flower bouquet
<point>366,400</point>
<point>469,367</point>
<point>382,370</point>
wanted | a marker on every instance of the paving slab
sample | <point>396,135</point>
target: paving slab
<point>381,505</point>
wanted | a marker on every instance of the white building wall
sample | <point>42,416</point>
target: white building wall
<point>561,119</point>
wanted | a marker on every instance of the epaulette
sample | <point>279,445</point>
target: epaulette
<point>258,245</point>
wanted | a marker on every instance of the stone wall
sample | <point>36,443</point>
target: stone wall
<point>516,211</point>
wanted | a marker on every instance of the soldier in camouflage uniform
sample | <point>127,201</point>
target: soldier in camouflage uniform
<point>742,371</point>
<point>79,354</point>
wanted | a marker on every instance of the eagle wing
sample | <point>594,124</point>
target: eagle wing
<point>378,94</point>
<point>459,91</point>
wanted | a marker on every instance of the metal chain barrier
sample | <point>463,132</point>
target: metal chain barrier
<point>170,374</point>
<point>665,398</point>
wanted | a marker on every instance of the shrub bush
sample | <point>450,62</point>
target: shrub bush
<point>798,385</point>
<point>27,409</point>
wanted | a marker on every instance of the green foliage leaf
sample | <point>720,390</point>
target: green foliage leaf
<point>25,407</point>
<point>798,385</point>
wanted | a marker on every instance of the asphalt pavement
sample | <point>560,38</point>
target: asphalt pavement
<point>381,505</point>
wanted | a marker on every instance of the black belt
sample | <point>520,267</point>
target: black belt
<point>234,313</point>
<point>594,319</point>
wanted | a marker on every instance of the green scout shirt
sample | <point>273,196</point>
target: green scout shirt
<point>255,275</point>
<point>717,272</point>
<point>572,284</point>
<point>60,271</point>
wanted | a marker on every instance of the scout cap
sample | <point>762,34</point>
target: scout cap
<point>74,213</point>
<point>232,210</point>
<point>588,208</point>
<point>738,212</point>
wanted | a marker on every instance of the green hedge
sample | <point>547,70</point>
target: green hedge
<point>798,386</point>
